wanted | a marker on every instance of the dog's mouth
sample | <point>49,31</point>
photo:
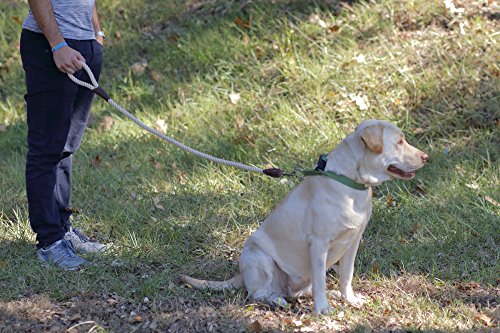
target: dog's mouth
<point>398,173</point>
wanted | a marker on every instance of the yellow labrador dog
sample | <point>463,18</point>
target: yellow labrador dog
<point>322,220</point>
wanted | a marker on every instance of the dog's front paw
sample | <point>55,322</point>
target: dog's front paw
<point>355,299</point>
<point>323,309</point>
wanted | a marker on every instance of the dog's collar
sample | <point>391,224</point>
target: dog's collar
<point>320,171</point>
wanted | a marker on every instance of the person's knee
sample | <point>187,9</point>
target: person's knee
<point>43,158</point>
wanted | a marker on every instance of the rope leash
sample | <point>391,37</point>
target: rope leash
<point>271,172</point>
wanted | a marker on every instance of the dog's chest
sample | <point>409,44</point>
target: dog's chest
<point>345,215</point>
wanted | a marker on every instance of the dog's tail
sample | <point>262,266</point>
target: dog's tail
<point>234,283</point>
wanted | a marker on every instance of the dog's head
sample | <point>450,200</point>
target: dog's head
<point>385,152</point>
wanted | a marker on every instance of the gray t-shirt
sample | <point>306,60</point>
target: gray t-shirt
<point>74,19</point>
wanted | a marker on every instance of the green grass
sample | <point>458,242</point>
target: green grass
<point>167,212</point>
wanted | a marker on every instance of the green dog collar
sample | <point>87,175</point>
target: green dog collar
<point>319,171</point>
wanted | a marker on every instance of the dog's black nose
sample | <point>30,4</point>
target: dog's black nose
<point>425,158</point>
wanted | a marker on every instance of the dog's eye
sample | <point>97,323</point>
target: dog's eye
<point>400,142</point>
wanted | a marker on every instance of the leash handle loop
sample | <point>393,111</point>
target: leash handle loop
<point>87,69</point>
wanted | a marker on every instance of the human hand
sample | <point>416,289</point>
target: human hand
<point>100,39</point>
<point>68,60</point>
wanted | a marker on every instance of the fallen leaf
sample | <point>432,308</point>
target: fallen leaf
<point>375,267</point>
<point>242,23</point>
<point>361,101</point>
<point>259,52</point>
<point>462,28</point>
<point>118,35</point>
<point>495,71</point>
<point>234,97</point>
<point>333,28</point>
<point>472,186</point>
<point>182,178</point>
<point>388,200</point>
<point>484,318</point>
<point>111,301</point>
<point>156,76</point>
<point>137,319</point>
<point>158,165</point>
<point>174,37</point>
<point>418,130</point>
<point>492,201</point>
<point>361,59</point>
<point>17,19</point>
<point>96,161</point>
<point>317,20</point>
<point>466,286</point>
<point>161,125</point>
<point>7,64</point>
<point>239,122</point>
<point>73,210</point>
<point>156,201</point>
<point>330,94</point>
<point>256,326</point>
<point>246,40</point>
<point>106,123</point>
<point>139,67</point>
<point>452,8</point>
<point>3,264</point>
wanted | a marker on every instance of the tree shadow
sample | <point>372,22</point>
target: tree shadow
<point>193,232</point>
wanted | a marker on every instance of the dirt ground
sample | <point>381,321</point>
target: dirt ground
<point>103,313</point>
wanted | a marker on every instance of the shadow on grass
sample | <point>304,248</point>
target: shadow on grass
<point>189,235</point>
<point>36,298</point>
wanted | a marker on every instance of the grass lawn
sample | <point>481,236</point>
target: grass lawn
<point>265,83</point>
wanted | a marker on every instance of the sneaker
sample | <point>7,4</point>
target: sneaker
<point>82,243</point>
<point>62,254</point>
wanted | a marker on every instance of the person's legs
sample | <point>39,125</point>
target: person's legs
<point>92,52</point>
<point>49,97</point>
<point>58,112</point>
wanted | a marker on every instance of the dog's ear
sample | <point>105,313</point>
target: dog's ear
<point>373,138</point>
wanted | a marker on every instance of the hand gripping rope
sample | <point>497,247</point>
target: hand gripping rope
<point>272,172</point>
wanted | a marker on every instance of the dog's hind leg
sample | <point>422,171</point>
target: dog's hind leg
<point>261,277</point>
